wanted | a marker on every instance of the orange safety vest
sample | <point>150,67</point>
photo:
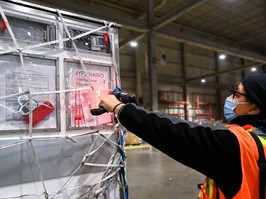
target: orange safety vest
<point>249,157</point>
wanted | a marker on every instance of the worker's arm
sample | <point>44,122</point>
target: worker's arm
<point>213,151</point>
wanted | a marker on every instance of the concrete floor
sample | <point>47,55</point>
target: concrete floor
<point>152,174</point>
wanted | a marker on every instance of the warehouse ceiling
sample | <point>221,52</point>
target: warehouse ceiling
<point>234,26</point>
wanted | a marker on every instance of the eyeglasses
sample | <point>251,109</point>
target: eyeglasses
<point>236,93</point>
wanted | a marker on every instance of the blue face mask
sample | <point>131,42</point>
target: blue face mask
<point>229,107</point>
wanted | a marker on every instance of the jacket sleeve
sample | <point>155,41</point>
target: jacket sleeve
<point>211,150</point>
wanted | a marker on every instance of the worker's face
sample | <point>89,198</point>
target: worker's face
<point>244,105</point>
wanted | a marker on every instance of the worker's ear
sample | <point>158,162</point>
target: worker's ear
<point>254,110</point>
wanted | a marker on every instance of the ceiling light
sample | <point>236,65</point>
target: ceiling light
<point>253,69</point>
<point>133,44</point>
<point>203,80</point>
<point>222,56</point>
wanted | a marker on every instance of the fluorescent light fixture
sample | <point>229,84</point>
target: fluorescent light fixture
<point>253,69</point>
<point>222,56</point>
<point>133,44</point>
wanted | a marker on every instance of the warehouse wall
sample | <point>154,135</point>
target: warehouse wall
<point>173,71</point>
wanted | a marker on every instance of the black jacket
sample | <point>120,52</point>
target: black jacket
<point>212,150</point>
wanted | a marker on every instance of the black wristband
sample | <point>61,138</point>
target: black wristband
<point>117,106</point>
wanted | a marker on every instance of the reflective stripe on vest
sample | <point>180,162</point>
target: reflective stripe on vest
<point>208,190</point>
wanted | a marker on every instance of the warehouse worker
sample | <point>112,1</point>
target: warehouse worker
<point>227,155</point>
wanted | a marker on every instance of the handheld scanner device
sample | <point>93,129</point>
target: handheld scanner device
<point>122,97</point>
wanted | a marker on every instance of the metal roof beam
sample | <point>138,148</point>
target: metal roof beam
<point>177,12</point>
<point>220,72</point>
<point>198,41</point>
<point>168,18</point>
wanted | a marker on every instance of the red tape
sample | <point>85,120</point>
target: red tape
<point>40,113</point>
<point>3,25</point>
